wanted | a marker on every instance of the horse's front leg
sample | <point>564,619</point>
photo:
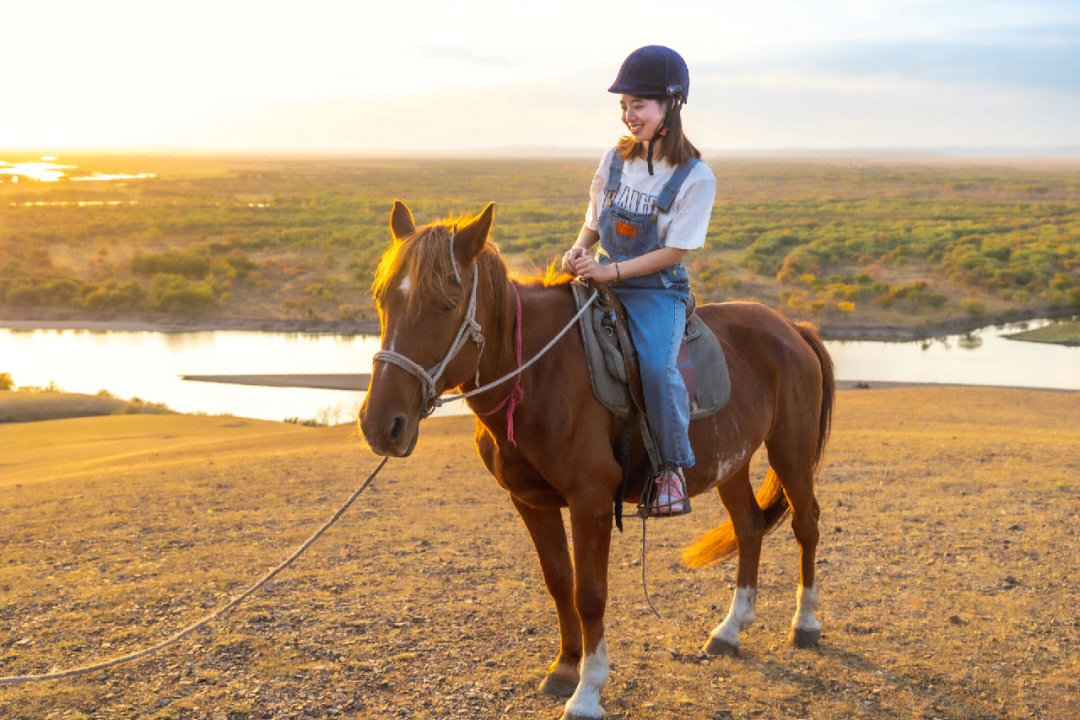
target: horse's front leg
<point>549,535</point>
<point>590,521</point>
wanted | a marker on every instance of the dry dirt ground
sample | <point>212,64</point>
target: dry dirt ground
<point>948,563</point>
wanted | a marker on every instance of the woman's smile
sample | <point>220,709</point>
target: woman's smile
<point>641,116</point>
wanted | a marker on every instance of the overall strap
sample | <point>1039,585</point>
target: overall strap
<point>614,175</point>
<point>672,186</point>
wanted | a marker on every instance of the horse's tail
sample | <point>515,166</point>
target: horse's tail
<point>719,543</point>
<point>828,386</point>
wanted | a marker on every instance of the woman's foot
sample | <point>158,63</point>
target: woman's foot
<point>669,496</point>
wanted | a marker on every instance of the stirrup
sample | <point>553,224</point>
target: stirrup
<point>665,495</point>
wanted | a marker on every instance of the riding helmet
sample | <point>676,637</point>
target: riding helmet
<point>653,71</point>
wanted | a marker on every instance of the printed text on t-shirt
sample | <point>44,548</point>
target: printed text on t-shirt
<point>633,201</point>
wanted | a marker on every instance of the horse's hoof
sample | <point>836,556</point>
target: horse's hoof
<point>716,646</point>
<point>557,687</point>
<point>578,716</point>
<point>804,638</point>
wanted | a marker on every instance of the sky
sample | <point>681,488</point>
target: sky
<point>513,76</point>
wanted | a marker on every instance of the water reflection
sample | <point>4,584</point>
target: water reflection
<point>49,170</point>
<point>148,365</point>
<point>981,357</point>
<point>969,341</point>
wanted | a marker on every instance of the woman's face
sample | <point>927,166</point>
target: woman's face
<point>641,116</point>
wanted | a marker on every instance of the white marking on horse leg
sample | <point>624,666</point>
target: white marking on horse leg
<point>739,616</point>
<point>585,702</point>
<point>805,602</point>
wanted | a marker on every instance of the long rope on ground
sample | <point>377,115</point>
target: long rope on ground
<point>175,637</point>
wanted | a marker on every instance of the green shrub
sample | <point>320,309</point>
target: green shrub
<point>239,262</point>
<point>112,295</point>
<point>174,293</point>
<point>60,292</point>
<point>6,383</point>
<point>192,263</point>
<point>973,307</point>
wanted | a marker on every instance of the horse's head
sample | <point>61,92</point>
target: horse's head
<point>425,289</point>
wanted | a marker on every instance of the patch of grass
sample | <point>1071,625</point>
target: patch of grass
<point>256,238</point>
<point>31,404</point>
<point>1065,332</point>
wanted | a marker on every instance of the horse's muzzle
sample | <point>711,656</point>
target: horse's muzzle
<point>394,436</point>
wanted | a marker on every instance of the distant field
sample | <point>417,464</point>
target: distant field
<point>947,566</point>
<point>227,240</point>
<point>32,405</point>
<point>1066,333</point>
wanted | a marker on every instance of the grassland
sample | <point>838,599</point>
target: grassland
<point>947,566</point>
<point>29,405</point>
<point>1064,333</point>
<point>227,242</point>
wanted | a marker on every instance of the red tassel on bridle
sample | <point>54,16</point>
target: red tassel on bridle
<point>517,393</point>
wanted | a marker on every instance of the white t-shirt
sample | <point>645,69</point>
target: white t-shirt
<point>684,225</point>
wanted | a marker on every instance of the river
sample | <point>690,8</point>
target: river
<point>149,365</point>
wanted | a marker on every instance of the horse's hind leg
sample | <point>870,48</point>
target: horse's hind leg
<point>748,522</point>
<point>794,466</point>
<point>549,536</point>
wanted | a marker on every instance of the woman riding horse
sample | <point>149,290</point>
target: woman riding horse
<point>451,317</point>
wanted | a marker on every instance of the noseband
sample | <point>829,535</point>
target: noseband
<point>468,330</point>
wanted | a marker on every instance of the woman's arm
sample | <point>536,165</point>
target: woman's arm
<point>650,262</point>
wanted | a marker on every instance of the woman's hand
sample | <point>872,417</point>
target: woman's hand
<point>569,257</point>
<point>587,267</point>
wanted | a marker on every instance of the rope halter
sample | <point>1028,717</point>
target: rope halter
<point>468,330</point>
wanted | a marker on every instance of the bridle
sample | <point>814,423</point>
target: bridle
<point>468,330</point>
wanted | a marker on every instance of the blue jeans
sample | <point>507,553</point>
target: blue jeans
<point>657,319</point>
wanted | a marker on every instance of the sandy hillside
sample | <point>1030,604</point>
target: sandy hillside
<point>949,553</point>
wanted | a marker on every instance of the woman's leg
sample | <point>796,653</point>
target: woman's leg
<point>657,321</point>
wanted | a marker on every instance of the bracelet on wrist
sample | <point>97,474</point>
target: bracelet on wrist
<point>618,275</point>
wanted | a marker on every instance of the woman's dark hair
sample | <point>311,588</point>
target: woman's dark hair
<point>674,147</point>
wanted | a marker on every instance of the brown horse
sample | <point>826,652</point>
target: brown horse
<point>564,448</point>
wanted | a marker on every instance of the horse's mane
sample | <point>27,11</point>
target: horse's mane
<point>424,258</point>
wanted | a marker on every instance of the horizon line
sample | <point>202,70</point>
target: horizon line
<point>555,152</point>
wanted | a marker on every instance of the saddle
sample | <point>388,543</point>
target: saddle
<point>613,366</point>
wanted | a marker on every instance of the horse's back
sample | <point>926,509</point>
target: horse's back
<point>741,322</point>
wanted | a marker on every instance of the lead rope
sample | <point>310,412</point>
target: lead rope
<point>175,637</point>
<point>644,587</point>
<point>178,635</point>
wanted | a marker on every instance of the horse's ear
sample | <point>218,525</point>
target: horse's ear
<point>470,239</point>
<point>401,221</point>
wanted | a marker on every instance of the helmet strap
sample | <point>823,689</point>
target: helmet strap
<point>662,130</point>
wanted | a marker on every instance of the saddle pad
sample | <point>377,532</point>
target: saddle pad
<point>701,362</point>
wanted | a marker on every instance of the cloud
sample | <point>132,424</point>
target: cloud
<point>1043,58</point>
<point>459,54</point>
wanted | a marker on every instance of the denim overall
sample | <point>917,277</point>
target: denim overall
<point>656,307</point>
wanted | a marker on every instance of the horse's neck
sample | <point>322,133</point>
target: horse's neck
<point>544,311</point>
